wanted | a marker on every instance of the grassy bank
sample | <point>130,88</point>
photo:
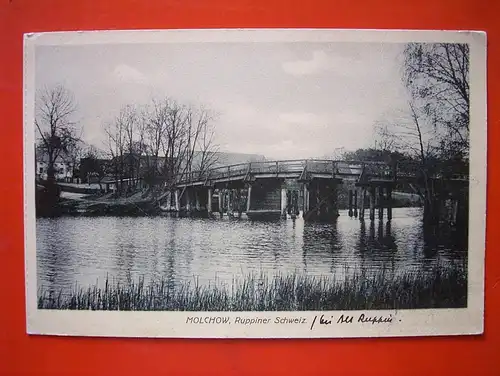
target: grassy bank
<point>441,288</point>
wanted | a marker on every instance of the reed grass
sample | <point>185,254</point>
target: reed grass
<point>443,287</point>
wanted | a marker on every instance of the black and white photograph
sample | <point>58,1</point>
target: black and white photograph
<point>255,183</point>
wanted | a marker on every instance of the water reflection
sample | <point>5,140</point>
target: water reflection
<point>84,251</point>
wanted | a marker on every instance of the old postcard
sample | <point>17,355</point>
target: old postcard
<point>255,183</point>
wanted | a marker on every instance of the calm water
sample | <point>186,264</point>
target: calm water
<point>82,250</point>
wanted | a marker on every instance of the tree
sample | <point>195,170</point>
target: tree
<point>206,147</point>
<point>437,76</point>
<point>180,135</point>
<point>91,165</point>
<point>117,143</point>
<point>201,150</point>
<point>171,138</point>
<point>73,155</point>
<point>155,128</point>
<point>55,110</point>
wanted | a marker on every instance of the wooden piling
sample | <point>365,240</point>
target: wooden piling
<point>177,201</point>
<point>293,204</point>
<point>306,200</point>
<point>284,202</point>
<point>350,203</point>
<point>335,203</point>
<point>221,202</point>
<point>362,204</point>
<point>372,203</point>
<point>355,202</point>
<point>197,201</point>
<point>454,215</point>
<point>389,203</point>
<point>188,200</point>
<point>249,196</point>
<point>380,202</point>
<point>209,200</point>
<point>230,202</point>
<point>238,202</point>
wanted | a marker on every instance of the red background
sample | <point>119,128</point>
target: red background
<point>21,354</point>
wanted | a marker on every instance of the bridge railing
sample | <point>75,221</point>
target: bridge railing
<point>227,171</point>
<point>315,166</point>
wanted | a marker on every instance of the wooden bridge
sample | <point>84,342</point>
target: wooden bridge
<point>302,170</point>
<point>287,188</point>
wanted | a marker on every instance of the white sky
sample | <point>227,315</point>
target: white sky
<point>282,100</point>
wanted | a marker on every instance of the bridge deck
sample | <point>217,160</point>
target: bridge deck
<point>299,169</point>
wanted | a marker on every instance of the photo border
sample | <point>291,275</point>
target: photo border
<point>173,323</point>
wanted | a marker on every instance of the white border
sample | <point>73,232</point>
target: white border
<point>173,324</point>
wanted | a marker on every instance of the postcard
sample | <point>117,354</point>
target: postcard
<point>255,183</point>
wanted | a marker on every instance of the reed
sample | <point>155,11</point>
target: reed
<point>442,287</point>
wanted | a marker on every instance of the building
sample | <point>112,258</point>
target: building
<point>64,171</point>
<point>134,171</point>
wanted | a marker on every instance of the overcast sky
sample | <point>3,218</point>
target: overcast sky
<point>282,100</point>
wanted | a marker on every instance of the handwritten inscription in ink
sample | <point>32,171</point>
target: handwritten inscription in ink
<point>350,319</point>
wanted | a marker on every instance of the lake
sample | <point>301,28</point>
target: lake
<point>83,251</point>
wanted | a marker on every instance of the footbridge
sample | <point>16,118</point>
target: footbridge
<point>288,188</point>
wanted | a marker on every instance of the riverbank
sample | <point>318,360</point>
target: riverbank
<point>79,204</point>
<point>443,287</point>
<point>143,203</point>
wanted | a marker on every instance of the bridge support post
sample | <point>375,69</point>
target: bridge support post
<point>188,200</point>
<point>221,202</point>
<point>249,197</point>
<point>355,201</point>
<point>389,203</point>
<point>284,203</point>
<point>294,204</point>
<point>238,202</point>
<point>380,202</point>
<point>209,200</point>
<point>372,203</point>
<point>362,204</point>
<point>350,202</point>
<point>230,203</point>
<point>177,201</point>
<point>197,201</point>
<point>306,200</point>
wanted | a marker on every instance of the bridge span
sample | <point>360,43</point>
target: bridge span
<point>290,187</point>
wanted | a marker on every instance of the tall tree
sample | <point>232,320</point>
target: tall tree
<point>116,133</point>
<point>54,120</point>
<point>91,166</point>
<point>206,147</point>
<point>437,76</point>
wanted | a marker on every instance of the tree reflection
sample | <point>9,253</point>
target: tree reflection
<point>444,237</point>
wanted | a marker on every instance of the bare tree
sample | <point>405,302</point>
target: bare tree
<point>91,165</point>
<point>175,141</point>
<point>116,132</point>
<point>206,147</point>
<point>73,154</point>
<point>437,76</point>
<point>385,138</point>
<point>172,139</point>
<point>135,128</point>
<point>155,126</point>
<point>407,131</point>
<point>54,120</point>
<point>201,150</point>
